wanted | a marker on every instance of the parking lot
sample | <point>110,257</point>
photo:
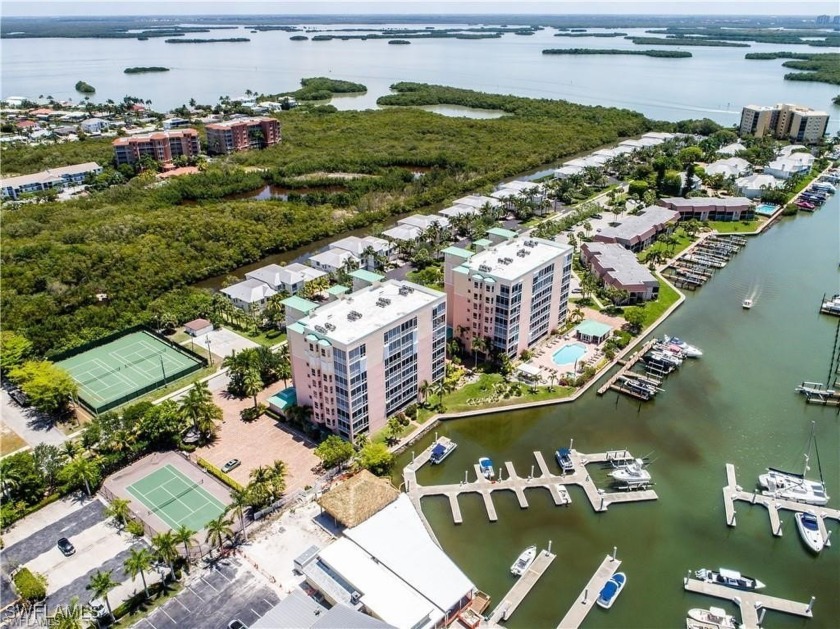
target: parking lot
<point>212,597</point>
<point>99,546</point>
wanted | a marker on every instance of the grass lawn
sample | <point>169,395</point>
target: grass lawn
<point>733,227</point>
<point>654,309</point>
<point>9,441</point>
<point>683,241</point>
<point>268,338</point>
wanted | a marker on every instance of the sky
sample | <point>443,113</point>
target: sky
<point>391,7</point>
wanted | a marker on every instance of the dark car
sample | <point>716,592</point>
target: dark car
<point>233,463</point>
<point>237,624</point>
<point>66,547</point>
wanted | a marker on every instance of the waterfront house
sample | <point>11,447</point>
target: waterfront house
<point>730,167</point>
<point>94,126</point>
<point>710,208</point>
<point>290,279</point>
<point>359,246</point>
<point>75,175</point>
<point>566,171</point>
<point>754,185</point>
<point>635,232</point>
<point>402,233</point>
<point>732,149</point>
<point>332,260</point>
<point>790,165</point>
<point>249,295</point>
<point>617,267</point>
<point>423,222</point>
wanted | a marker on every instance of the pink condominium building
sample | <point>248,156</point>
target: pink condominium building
<point>360,359</point>
<point>512,293</point>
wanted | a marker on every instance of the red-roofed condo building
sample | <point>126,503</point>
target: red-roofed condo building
<point>161,146</point>
<point>242,135</point>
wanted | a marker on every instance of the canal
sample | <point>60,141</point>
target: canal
<point>735,404</point>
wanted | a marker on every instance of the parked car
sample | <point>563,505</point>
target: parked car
<point>237,624</point>
<point>66,547</point>
<point>597,216</point>
<point>232,464</point>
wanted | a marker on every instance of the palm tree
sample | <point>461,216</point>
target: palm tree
<point>100,584</point>
<point>218,531</point>
<point>198,408</point>
<point>252,384</point>
<point>164,547</point>
<point>479,344</point>
<point>424,389</point>
<point>119,510</point>
<point>240,500</point>
<point>184,535</point>
<point>81,471</point>
<point>68,616</point>
<point>278,478</point>
<point>138,561</point>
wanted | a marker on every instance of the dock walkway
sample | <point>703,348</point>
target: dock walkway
<point>732,492</point>
<point>749,602</point>
<point>586,599</point>
<point>521,588</point>
<point>632,360</point>
<point>598,498</point>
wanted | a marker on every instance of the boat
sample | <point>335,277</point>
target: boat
<point>633,474</point>
<point>442,449</point>
<point>611,590</point>
<point>809,531</point>
<point>642,389</point>
<point>729,578</point>
<point>814,388</point>
<point>524,561</point>
<point>793,486</point>
<point>486,466</point>
<point>747,303</point>
<point>564,460</point>
<point>690,351</point>
<point>831,306</point>
<point>714,616</point>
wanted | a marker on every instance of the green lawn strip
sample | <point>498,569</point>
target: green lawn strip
<point>142,608</point>
<point>655,309</point>
<point>177,384</point>
<point>683,241</point>
<point>267,338</point>
<point>733,227</point>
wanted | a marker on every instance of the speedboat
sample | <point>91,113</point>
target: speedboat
<point>564,460</point>
<point>714,616</point>
<point>809,531</point>
<point>642,389</point>
<point>729,578</point>
<point>633,474</point>
<point>793,486</point>
<point>524,561</point>
<point>486,467</point>
<point>611,590</point>
<point>747,303</point>
<point>443,448</point>
<point>690,351</point>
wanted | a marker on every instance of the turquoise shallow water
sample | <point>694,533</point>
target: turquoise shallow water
<point>736,404</point>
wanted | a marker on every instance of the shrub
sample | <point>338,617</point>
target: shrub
<point>215,471</point>
<point>252,413</point>
<point>411,411</point>
<point>30,586</point>
<point>12,512</point>
<point>135,528</point>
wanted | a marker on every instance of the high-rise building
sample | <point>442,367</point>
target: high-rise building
<point>794,122</point>
<point>161,146</point>
<point>241,135</point>
<point>511,294</point>
<point>362,358</point>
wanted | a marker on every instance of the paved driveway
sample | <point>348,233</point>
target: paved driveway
<point>29,425</point>
<point>214,596</point>
<point>223,342</point>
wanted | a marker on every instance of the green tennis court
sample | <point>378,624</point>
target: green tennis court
<point>126,368</point>
<point>175,499</point>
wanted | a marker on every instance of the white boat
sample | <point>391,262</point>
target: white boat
<point>442,449</point>
<point>690,351</point>
<point>611,590</point>
<point>813,388</point>
<point>747,303</point>
<point>831,306</point>
<point>633,474</point>
<point>524,561</point>
<point>714,616</point>
<point>793,486</point>
<point>729,578</point>
<point>486,466</point>
<point>809,531</point>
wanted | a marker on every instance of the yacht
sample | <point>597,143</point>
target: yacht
<point>486,466</point>
<point>793,486</point>
<point>690,351</point>
<point>642,389</point>
<point>524,561</point>
<point>747,303</point>
<point>729,578</point>
<point>564,460</point>
<point>714,616</point>
<point>809,531</point>
<point>443,448</point>
<point>611,590</point>
<point>633,474</point>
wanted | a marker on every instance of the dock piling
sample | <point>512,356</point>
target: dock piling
<point>810,609</point>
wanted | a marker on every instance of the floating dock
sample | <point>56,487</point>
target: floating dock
<point>749,602</point>
<point>523,586</point>
<point>510,480</point>
<point>733,492</point>
<point>586,599</point>
<point>644,349</point>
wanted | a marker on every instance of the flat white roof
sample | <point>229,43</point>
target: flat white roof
<point>51,174</point>
<point>506,260</point>
<point>349,328</point>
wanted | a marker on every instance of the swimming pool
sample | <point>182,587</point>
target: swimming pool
<point>766,209</point>
<point>569,354</point>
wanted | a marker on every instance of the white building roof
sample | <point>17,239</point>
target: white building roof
<point>384,593</point>
<point>507,261</point>
<point>249,291</point>
<point>521,187</point>
<point>567,171</point>
<point>375,307</point>
<point>636,225</point>
<point>403,232</point>
<point>476,200</point>
<point>356,245</point>
<point>398,539</point>
<point>755,182</point>
<point>276,275</point>
<point>620,264</point>
<point>334,258</point>
<point>659,135</point>
<point>732,149</point>
<point>787,150</point>
<point>730,167</point>
<point>53,174</point>
<point>459,210</point>
<point>423,221</point>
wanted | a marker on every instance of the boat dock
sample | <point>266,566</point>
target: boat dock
<point>697,264</point>
<point>733,492</point>
<point>521,588</point>
<point>614,382</point>
<point>749,602</point>
<point>510,480</point>
<point>586,599</point>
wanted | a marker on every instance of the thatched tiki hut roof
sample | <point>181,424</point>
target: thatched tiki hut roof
<point>356,499</point>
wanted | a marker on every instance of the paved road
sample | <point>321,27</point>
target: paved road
<point>212,598</point>
<point>32,428</point>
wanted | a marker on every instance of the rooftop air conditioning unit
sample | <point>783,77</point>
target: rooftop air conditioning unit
<point>355,596</point>
<point>321,329</point>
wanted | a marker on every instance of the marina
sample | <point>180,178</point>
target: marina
<point>698,263</point>
<point>523,585</point>
<point>585,601</point>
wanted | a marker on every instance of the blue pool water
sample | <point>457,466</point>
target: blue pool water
<point>766,209</point>
<point>568,354</point>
